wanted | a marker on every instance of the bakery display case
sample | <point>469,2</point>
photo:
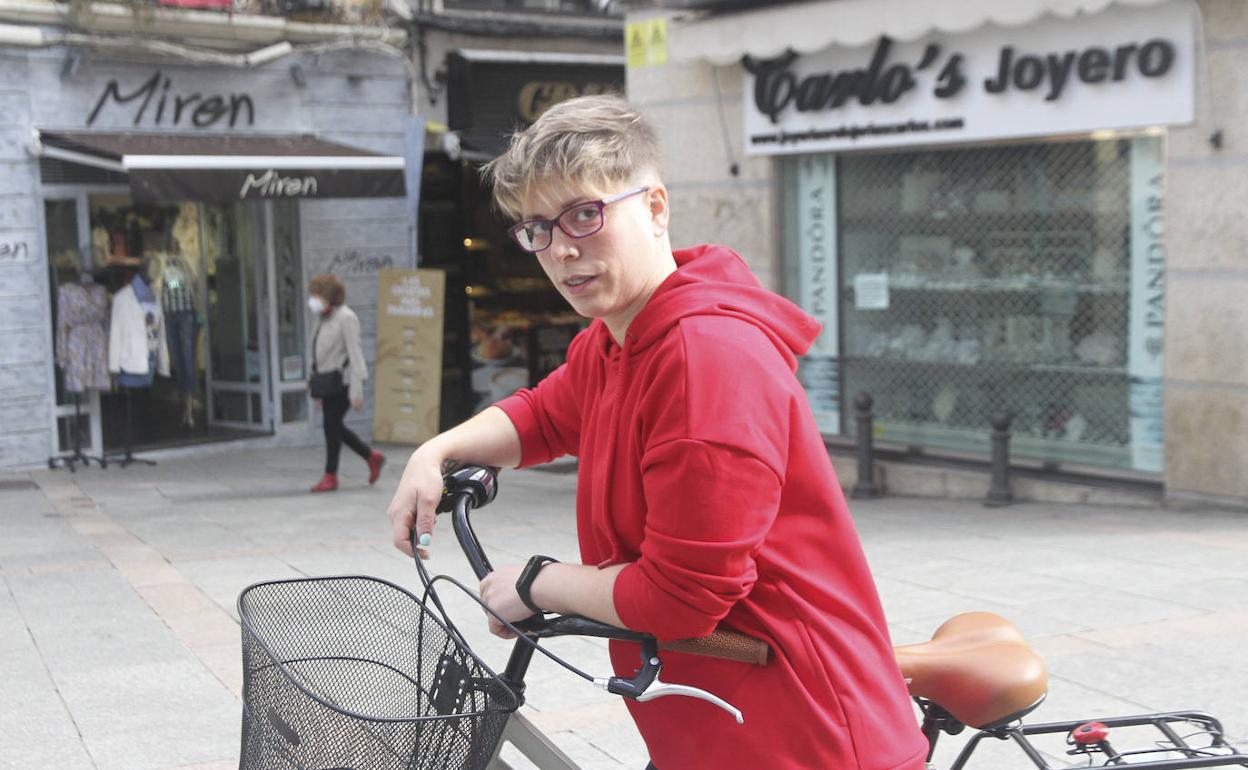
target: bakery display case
<point>507,326</point>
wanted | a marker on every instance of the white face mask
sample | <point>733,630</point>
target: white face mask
<point>316,305</point>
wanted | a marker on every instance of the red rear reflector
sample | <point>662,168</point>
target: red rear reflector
<point>1089,733</point>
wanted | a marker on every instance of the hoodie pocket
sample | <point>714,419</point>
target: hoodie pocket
<point>809,666</point>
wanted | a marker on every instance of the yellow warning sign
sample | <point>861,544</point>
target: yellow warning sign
<point>647,42</point>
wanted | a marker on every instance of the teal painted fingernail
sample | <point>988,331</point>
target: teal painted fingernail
<point>425,540</point>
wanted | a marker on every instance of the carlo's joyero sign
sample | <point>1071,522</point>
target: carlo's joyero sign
<point>1123,68</point>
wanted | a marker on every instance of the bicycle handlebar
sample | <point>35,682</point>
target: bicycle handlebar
<point>474,486</point>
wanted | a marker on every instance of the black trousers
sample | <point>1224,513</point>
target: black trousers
<point>337,434</point>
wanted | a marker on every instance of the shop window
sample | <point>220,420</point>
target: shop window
<point>64,267</point>
<point>288,278</point>
<point>295,406</point>
<point>202,266</point>
<point>970,281</point>
<point>233,240</point>
<point>232,407</point>
<point>78,349</point>
<point>159,245</point>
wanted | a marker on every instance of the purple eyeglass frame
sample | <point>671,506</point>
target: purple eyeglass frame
<point>601,205</point>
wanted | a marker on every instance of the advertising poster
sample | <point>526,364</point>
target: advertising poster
<point>408,387</point>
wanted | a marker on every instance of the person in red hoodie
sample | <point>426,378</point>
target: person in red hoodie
<point>705,495</point>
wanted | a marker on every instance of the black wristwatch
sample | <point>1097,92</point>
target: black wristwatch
<point>524,583</point>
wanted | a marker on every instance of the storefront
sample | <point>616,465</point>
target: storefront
<point>980,218</point>
<point>514,326</point>
<point>210,195</point>
<point>1015,272</point>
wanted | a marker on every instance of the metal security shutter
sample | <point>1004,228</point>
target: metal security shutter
<point>1008,282</point>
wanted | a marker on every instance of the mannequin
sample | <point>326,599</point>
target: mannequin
<point>177,290</point>
<point>81,313</point>
<point>136,341</point>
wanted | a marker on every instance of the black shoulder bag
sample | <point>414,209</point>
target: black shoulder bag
<point>324,384</point>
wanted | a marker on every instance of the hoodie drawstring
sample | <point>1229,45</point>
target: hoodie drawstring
<point>603,525</point>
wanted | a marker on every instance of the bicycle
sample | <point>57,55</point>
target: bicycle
<point>356,673</point>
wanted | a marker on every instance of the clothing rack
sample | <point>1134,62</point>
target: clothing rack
<point>78,457</point>
<point>126,456</point>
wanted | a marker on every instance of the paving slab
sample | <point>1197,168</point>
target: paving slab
<point>151,715</point>
<point>36,727</point>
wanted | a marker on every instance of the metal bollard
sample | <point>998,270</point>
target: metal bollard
<point>865,485</point>
<point>999,492</point>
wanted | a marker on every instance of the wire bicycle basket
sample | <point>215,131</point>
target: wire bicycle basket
<point>356,673</point>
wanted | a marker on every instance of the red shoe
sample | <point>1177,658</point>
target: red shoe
<point>375,461</point>
<point>328,483</point>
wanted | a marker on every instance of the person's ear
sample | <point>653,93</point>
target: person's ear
<point>660,211</point>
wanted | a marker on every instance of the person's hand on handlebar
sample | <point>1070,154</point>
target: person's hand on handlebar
<point>564,589</point>
<point>489,438</point>
<point>416,500</point>
<point>498,591</point>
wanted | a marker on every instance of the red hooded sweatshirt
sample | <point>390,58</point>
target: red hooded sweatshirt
<point>701,466</point>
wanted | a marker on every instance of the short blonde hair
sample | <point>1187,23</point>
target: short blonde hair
<point>328,287</point>
<point>589,140</point>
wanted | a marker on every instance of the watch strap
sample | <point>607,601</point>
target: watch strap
<point>524,583</point>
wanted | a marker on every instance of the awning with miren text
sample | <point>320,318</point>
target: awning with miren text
<point>164,167</point>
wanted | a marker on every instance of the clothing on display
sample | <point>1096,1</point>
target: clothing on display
<point>181,331</point>
<point>81,315</point>
<point>136,335</point>
<point>177,285</point>
<point>143,293</point>
<point>137,380</point>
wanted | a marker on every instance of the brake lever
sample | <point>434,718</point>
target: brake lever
<point>658,689</point>
<point>647,686</point>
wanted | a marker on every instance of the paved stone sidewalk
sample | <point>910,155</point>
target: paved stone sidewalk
<point>119,643</point>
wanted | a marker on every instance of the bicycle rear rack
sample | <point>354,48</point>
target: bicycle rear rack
<point>1216,753</point>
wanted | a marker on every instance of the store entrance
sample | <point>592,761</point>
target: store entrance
<point>203,265</point>
<point>225,278</point>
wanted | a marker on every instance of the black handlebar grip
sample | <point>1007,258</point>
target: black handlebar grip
<point>480,481</point>
<point>467,538</point>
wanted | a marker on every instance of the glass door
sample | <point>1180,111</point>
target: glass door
<point>287,312</point>
<point>236,252</point>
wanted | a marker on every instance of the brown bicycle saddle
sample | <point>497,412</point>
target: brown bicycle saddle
<point>977,667</point>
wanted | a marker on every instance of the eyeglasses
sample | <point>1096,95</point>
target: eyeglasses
<point>579,220</point>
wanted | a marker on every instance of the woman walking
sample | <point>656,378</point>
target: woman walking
<point>338,374</point>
